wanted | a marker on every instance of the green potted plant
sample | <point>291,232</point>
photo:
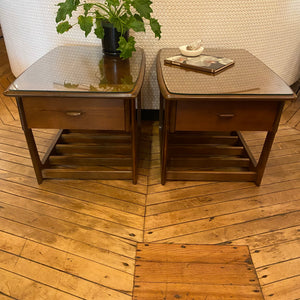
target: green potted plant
<point>111,19</point>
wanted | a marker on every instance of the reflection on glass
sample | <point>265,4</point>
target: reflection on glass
<point>115,73</point>
<point>248,76</point>
<point>81,69</point>
<point>114,76</point>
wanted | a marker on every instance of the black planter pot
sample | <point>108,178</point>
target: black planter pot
<point>110,42</point>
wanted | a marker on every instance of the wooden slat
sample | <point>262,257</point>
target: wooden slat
<point>86,174</point>
<point>208,162</point>
<point>202,139</point>
<point>96,139</point>
<point>196,150</point>
<point>91,149</point>
<point>211,175</point>
<point>89,161</point>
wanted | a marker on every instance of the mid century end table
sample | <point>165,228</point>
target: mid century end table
<point>92,99</point>
<point>202,116</point>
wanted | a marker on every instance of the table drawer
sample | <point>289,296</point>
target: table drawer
<point>223,116</point>
<point>75,113</point>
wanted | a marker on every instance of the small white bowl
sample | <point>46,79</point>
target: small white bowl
<point>186,52</point>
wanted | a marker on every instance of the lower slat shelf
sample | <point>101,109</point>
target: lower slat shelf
<point>219,156</point>
<point>89,155</point>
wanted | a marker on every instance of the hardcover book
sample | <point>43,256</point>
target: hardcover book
<point>203,62</point>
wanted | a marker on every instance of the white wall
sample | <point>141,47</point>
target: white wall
<point>270,29</point>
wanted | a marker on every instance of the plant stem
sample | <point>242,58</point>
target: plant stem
<point>102,7</point>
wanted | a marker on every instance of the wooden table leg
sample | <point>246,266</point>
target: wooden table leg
<point>36,161</point>
<point>161,111</point>
<point>133,141</point>
<point>139,109</point>
<point>261,165</point>
<point>164,142</point>
<point>161,122</point>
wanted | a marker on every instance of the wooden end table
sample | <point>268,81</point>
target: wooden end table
<point>201,116</point>
<point>92,100</point>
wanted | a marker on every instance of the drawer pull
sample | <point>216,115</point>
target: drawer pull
<point>226,116</point>
<point>74,113</point>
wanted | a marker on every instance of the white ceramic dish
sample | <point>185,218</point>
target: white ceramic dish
<point>186,52</point>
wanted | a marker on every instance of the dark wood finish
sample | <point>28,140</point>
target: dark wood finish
<point>75,113</point>
<point>246,97</point>
<point>267,146</point>
<point>36,162</point>
<point>232,115</point>
<point>106,120</point>
<point>211,175</point>
<point>209,162</point>
<point>134,142</point>
<point>164,141</point>
<point>209,157</point>
<point>195,150</point>
<point>194,272</point>
<point>217,138</point>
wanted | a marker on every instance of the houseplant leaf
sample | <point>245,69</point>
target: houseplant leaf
<point>86,24</point>
<point>126,47</point>
<point>66,8</point>
<point>143,8</point>
<point>63,27</point>
<point>118,24</point>
<point>155,26</point>
<point>136,23</point>
<point>99,31</point>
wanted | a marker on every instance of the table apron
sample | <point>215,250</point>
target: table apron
<point>193,115</point>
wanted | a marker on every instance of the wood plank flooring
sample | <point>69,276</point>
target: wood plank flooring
<point>72,239</point>
<point>180,271</point>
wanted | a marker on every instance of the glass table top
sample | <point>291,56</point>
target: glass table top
<point>80,69</point>
<point>248,76</point>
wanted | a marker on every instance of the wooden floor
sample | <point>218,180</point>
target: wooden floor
<point>73,239</point>
<point>202,272</point>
